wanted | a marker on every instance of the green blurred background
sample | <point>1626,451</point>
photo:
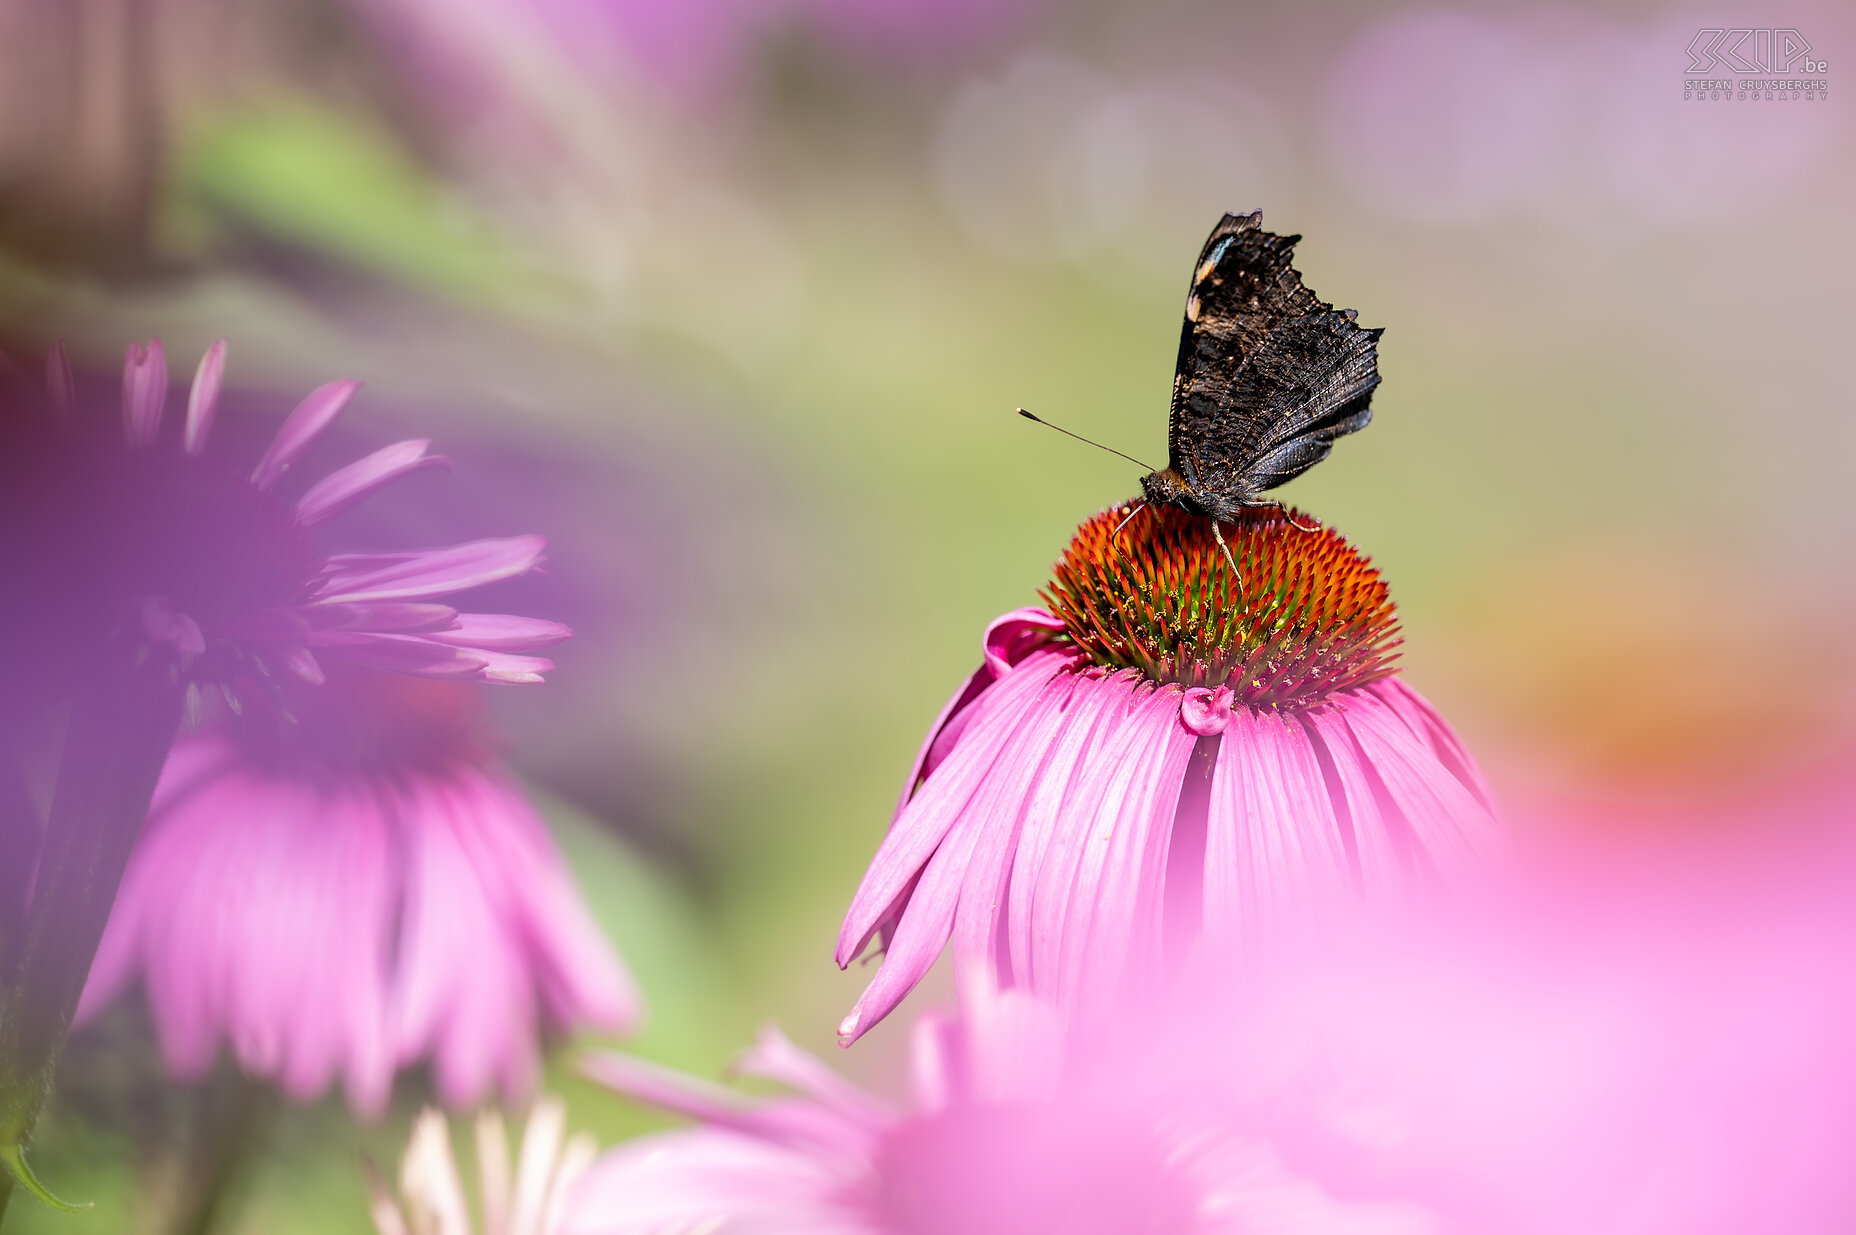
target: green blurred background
<point>733,298</point>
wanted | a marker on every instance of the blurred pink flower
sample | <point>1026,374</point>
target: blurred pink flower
<point>1003,1136</point>
<point>354,890</point>
<point>1622,1043</point>
<point>1593,1044</point>
<point>220,570</point>
<point>1156,757</point>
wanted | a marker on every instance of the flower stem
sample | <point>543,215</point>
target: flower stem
<point>121,727</point>
<point>233,1122</point>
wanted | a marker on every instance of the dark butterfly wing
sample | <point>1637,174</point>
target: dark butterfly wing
<point>1269,375</point>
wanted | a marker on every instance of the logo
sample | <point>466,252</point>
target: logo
<point>1794,74</point>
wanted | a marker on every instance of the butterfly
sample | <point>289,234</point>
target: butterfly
<point>1268,376</point>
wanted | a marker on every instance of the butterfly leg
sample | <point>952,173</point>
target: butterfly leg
<point>1218,535</point>
<point>1124,523</point>
<point>1290,520</point>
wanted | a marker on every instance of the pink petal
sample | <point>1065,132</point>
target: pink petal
<point>301,428</point>
<point>1012,758</point>
<point>708,1180</point>
<point>1424,720</point>
<point>1095,707</point>
<point>501,632</point>
<point>508,670</point>
<point>431,573</point>
<point>1013,636</point>
<point>1379,840</point>
<point>1272,841</point>
<point>1113,920</point>
<point>955,710</point>
<point>774,1057</point>
<point>581,981</point>
<point>1450,822</point>
<point>1049,886</point>
<point>300,663</point>
<point>922,824</point>
<point>409,654</point>
<point>462,995</point>
<point>144,391</point>
<point>399,617</point>
<point>203,399</point>
<point>1001,804</point>
<point>343,488</point>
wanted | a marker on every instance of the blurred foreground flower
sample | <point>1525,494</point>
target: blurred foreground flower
<point>527,1202</point>
<point>1003,1137</point>
<point>143,568</point>
<point>351,891</point>
<point>1614,1043</point>
<point>1158,756</point>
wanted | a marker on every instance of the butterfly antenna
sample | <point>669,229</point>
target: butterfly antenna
<point>1079,437</point>
<point>1138,508</point>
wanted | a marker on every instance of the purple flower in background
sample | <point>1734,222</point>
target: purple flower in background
<point>1159,757</point>
<point>354,890</point>
<point>142,530</point>
<point>141,568</point>
<point>1012,1128</point>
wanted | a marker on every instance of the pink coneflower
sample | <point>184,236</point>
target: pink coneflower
<point>353,890</point>
<point>1009,1131</point>
<point>141,568</point>
<point>1162,754</point>
<point>142,535</point>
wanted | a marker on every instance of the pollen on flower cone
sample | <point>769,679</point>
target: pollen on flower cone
<point>1310,616</point>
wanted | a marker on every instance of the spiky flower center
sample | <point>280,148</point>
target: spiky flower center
<point>1311,617</point>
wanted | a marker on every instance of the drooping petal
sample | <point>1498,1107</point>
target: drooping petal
<point>1381,846</point>
<point>1050,887</point>
<point>925,820</point>
<point>431,573</point>
<point>774,1057</point>
<point>461,997</point>
<point>1000,807</point>
<point>577,975</point>
<point>301,428</point>
<point>1097,701</point>
<point>943,733</point>
<point>990,813</point>
<point>1116,898</point>
<point>144,391</point>
<point>1446,816</point>
<point>343,488</point>
<point>508,670</point>
<point>410,654</point>
<point>1416,711</point>
<point>1272,841</point>
<point>711,1181</point>
<point>501,632</point>
<point>203,399</point>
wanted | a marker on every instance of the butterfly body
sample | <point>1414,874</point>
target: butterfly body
<point>1268,376</point>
